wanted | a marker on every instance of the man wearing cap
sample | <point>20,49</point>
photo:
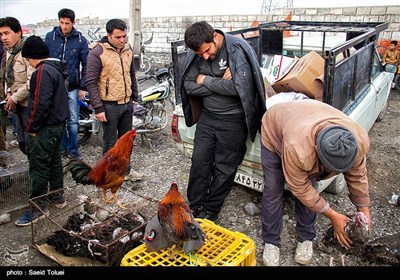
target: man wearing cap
<point>303,142</point>
<point>47,115</point>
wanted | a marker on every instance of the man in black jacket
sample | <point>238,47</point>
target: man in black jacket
<point>222,91</point>
<point>47,116</point>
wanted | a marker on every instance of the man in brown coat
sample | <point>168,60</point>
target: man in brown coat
<point>303,142</point>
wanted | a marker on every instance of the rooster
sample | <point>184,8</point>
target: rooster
<point>357,230</point>
<point>174,225</point>
<point>109,171</point>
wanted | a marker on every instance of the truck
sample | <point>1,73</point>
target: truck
<point>354,80</point>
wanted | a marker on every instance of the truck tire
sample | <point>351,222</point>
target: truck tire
<point>337,185</point>
<point>397,82</point>
<point>383,111</point>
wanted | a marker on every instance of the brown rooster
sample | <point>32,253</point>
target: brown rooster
<point>174,225</point>
<point>109,171</point>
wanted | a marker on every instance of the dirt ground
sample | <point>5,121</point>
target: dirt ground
<point>162,163</point>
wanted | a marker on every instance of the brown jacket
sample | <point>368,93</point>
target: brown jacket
<point>19,91</point>
<point>110,75</point>
<point>290,129</point>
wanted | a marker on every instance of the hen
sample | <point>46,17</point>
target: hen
<point>356,229</point>
<point>109,171</point>
<point>174,225</point>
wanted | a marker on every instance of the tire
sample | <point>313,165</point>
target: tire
<point>337,185</point>
<point>146,67</point>
<point>383,111</point>
<point>84,133</point>
<point>397,82</point>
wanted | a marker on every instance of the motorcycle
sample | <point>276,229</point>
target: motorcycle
<point>150,114</point>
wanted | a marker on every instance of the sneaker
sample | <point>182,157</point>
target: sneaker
<point>27,219</point>
<point>304,252</point>
<point>14,143</point>
<point>211,216</point>
<point>271,255</point>
<point>133,176</point>
<point>59,202</point>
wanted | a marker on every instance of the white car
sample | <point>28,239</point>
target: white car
<point>355,81</point>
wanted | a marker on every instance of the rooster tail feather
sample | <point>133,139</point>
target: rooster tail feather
<point>79,171</point>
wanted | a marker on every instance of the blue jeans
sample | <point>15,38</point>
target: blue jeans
<point>70,140</point>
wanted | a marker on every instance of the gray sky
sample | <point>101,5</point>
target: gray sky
<point>33,11</point>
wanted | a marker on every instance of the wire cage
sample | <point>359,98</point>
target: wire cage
<point>15,187</point>
<point>86,232</point>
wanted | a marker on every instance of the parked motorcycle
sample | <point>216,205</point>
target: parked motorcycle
<point>88,124</point>
<point>150,114</point>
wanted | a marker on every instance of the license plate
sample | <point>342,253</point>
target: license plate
<point>250,182</point>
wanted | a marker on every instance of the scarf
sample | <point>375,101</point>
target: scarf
<point>7,67</point>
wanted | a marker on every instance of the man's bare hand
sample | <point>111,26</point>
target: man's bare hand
<point>200,79</point>
<point>227,75</point>
<point>81,94</point>
<point>10,105</point>
<point>101,117</point>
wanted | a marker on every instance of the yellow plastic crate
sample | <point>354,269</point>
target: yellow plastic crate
<point>222,248</point>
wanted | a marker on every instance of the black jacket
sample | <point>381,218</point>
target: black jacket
<point>48,95</point>
<point>248,79</point>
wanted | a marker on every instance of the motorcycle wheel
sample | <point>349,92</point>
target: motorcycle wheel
<point>83,132</point>
<point>145,68</point>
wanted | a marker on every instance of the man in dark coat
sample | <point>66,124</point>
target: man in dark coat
<point>46,123</point>
<point>222,91</point>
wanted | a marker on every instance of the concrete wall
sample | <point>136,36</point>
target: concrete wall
<point>167,29</point>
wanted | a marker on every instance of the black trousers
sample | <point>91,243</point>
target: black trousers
<point>272,203</point>
<point>45,165</point>
<point>219,148</point>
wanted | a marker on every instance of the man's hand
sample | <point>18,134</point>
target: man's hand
<point>81,94</point>
<point>10,105</point>
<point>339,222</point>
<point>200,79</point>
<point>101,117</point>
<point>227,75</point>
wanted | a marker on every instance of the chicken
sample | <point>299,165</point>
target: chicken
<point>174,225</point>
<point>382,250</point>
<point>357,230</point>
<point>109,171</point>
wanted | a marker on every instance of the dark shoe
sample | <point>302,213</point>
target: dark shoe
<point>208,215</point>
<point>74,156</point>
<point>28,219</point>
<point>196,210</point>
<point>59,202</point>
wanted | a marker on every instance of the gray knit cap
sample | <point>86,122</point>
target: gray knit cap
<point>337,148</point>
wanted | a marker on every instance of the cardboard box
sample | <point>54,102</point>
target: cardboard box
<point>301,77</point>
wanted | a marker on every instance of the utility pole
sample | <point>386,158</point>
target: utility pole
<point>269,5</point>
<point>135,18</point>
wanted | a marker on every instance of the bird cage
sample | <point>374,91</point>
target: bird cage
<point>78,235</point>
<point>15,187</point>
